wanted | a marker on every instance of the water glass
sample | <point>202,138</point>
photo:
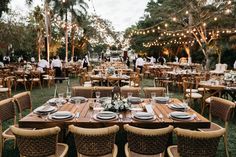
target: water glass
<point>97,95</point>
<point>153,95</point>
<point>77,101</point>
<point>68,95</point>
<point>185,102</point>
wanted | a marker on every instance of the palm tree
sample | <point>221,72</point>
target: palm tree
<point>77,9</point>
<point>39,20</point>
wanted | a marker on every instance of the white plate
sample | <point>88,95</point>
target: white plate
<point>106,115</point>
<point>178,107</point>
<point>55,100</point>
<point>82,99</point>
<point>61,115</point>
<point>162,99</point>
<point>45,109</point>
<point>143,115</point>
<point>180,115</point>
<point>135,100</point>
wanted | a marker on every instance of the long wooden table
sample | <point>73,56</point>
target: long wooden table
<point>86,120</point>
<point>86,113</point>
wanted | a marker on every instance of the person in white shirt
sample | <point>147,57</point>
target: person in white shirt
<point>1,65</point>
<point>6,59</point>
<point>57,65</point>
<point>139,63</point>
<point>42,65</point>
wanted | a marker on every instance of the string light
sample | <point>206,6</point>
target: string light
<point>215,18</point>
<point>186,12</point>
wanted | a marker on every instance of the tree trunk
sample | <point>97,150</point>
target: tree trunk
<point>47,28</point>
<point>219,57</point>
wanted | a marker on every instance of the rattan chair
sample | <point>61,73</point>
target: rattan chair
<point>190,93</point>
<point>160,91</point>
<point>222,109</point>
<point>35,79</point>
<point>134,90</point>
<point>146,142</point>
<point>7,112</point>
<point>95,142</point>
<point>195,143</point>
<point>39,143</point>
<point>20,79</point>
<point>113,81</point>
<point>104,91</point>
<point>86,92</point>
<point>6,89</point>
<point>49,78</point>
<point>23,102</point>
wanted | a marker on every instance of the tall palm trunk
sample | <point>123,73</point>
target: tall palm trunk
<point>47,28</point>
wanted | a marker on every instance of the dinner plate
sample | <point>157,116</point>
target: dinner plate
<point>54,101</point>
<point>106,116</point>
<point>82,99</point>
<point>178,107</point>
<point>143,115</point>
<point>61,115</point>
<point>45,109</point>
<point>135,100</point>
<point>180,115</point>
<point>161,100</point>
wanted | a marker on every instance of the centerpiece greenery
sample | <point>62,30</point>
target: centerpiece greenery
<point>116,105</point>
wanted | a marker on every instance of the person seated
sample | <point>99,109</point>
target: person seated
<point>42,65</point>
<point>57,65</point>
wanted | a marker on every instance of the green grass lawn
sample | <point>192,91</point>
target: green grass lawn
<point>40,96</point>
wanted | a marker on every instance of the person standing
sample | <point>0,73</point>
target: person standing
<point>57,66</point>
<point>6,59</point>
<point>235,65</point>
<point>161,60</point>
<point>139,63</point>
<point>85,62</point>
<point>128,62</point>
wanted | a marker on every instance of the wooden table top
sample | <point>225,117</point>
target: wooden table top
<point>86,120</point>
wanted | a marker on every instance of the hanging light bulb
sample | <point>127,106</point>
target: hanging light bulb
<point>204,24</point>
<point>215,18</point>
<point>174,19</point>
<point>186,12</point>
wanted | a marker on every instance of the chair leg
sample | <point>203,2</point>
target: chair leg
<point>226,145</point>
<point>1,147</point>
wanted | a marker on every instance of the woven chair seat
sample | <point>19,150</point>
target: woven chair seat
<point>192,90</point>
<point>200,89</point>
<point>35,79</point>
<point>194,95</point>
<point>173,151</point>
<point>213,127</point>
<point>21,80</point>
<point>4,89</point>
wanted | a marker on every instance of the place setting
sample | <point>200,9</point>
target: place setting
<point>143,116</point>
<point>181,116</point>
<point>105,116</point>
<point>61,116</point>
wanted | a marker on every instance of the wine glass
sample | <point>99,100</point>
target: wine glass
<point>60,98</point>
<point>68,95</point>
<point>129,94</point>
<point>97,96</point>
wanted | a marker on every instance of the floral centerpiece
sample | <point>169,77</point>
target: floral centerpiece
<point>111,70</point>
<point>115,105</point>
